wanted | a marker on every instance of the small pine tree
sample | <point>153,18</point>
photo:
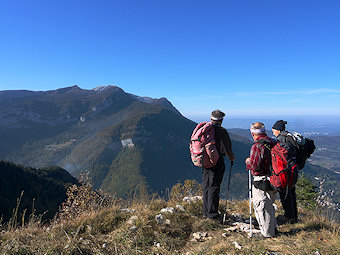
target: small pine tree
<point>306,192</point>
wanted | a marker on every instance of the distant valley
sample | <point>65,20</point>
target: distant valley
<point>327,153</point>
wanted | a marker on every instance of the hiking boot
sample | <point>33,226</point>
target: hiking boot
<point>218,219</point>
<point>281,219</point>
<point>292,220</point>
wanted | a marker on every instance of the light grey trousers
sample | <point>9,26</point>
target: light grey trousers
<point>264,211</point>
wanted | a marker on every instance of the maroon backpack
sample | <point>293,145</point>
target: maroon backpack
<point>282,175</point>
<point>202,146</point>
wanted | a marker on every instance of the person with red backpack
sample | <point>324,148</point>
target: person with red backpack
<point>210,142</point>
<point>263,195</point>
<point>288,144</point>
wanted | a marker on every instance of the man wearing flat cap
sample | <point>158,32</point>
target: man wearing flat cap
<point>212,177</point>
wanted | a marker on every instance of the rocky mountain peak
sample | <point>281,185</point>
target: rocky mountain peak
<point>73,88</point>
<point>104,87</point>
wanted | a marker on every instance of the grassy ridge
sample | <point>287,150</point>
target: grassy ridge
<point>112,229</point>
<point>108,231</point>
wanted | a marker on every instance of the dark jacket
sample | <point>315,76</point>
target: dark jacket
<point>287,141</point>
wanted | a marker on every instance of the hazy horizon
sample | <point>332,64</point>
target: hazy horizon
<point>309,125</point>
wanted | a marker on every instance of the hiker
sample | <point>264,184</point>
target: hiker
<point>212,177</point>
<point>259,163</point>
<point>287,196</point>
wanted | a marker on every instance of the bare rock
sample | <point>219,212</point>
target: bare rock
<point>231,229</point>
<point>168,210</point>
<point>132,220</point>
<point>159,219</point>
<point>200,237</point>
<point>180,208</point>
<point>192,199</point>
<point>237,245</point>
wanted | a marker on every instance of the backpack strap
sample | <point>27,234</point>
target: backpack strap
<point>265,143</point>
<point>267,147</point>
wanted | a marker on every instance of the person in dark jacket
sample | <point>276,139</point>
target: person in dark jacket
<point>287,197</point>
<point>212,177</point>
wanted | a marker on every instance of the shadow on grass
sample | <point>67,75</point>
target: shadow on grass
<point>309,228</point>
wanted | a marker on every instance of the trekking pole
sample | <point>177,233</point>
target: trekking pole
<point>250,195</point>
<point>226,200</point>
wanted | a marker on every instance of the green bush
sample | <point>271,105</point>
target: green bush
<point>306,192</point>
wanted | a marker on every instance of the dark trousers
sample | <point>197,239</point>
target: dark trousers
<point>289,203</point>
<point>212,178</point>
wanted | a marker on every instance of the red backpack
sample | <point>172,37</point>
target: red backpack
<point>282,175</point>
<point>202,146</point>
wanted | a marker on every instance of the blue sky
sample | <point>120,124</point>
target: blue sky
<point>244,57</point>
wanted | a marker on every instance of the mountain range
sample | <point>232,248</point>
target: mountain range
<point>128,144</point>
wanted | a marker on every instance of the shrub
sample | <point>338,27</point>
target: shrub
<point>306,192</point>
<point>82,199</point>
<point>188,188</point>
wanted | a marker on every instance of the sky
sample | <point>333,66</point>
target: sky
<point>247,58</point>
